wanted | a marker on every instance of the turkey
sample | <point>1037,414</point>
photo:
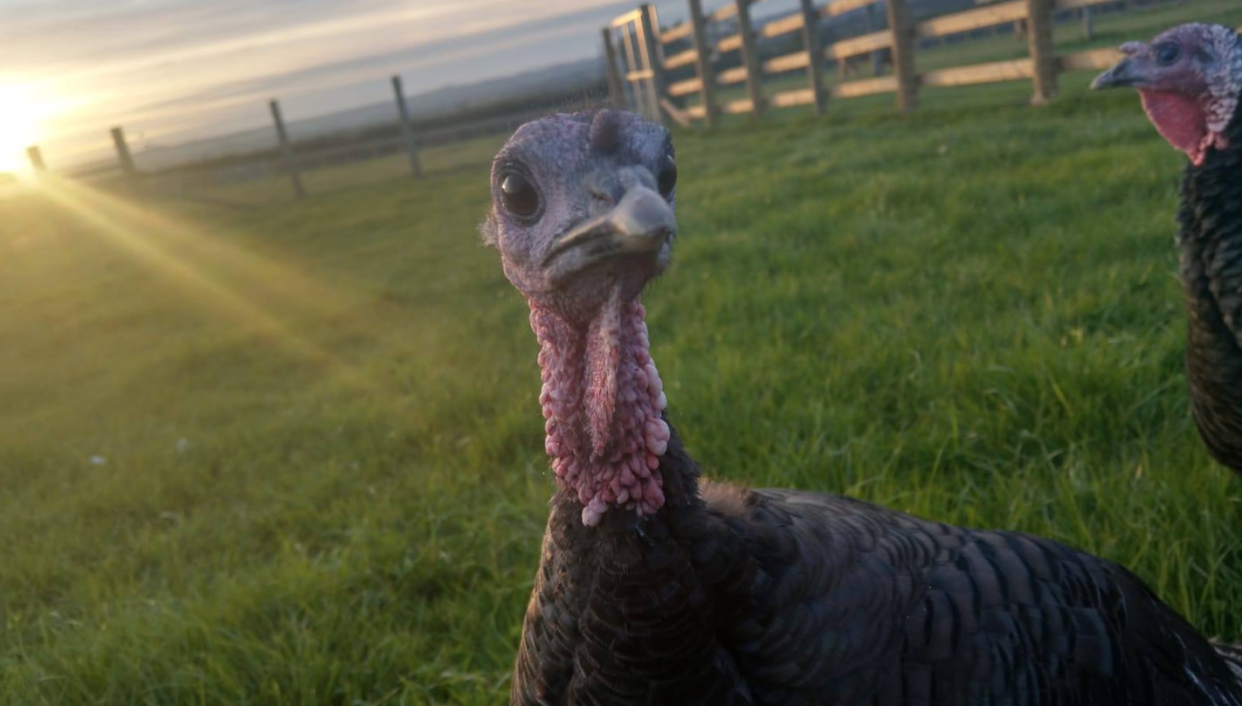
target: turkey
<point>1190,81</point>
<point>657,587</point>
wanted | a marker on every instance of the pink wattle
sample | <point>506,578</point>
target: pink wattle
<point>602,399</point>
<point>1181,120</point>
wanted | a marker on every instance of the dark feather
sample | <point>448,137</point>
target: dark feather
<point>782,597</point>
<point>1211,268</point>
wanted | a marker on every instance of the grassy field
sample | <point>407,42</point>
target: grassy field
<point>293,455</point>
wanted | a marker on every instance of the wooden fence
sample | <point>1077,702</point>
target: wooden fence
<point>641,57</point>
<point>289,161</point>
<point>198,179</point>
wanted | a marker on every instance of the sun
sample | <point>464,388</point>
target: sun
<point>19,125</point>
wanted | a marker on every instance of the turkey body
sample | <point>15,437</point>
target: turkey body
<point>730,596</point>
<point>1211,268</point>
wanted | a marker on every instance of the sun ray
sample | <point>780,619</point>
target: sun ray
<point>178,253</point>
<point>283,280</point>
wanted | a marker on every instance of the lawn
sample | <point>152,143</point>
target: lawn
<point>293,454</point>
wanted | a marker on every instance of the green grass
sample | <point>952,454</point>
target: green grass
<point>320,475</point>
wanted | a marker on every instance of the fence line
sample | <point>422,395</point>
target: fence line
<point>286,151</point>
<point>123,156</point>
<point>407,131</point>
<point>1041,67</point>
<point>194,178</point>
<point>654,70</point>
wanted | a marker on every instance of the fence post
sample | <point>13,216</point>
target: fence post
<point>707,73</point>
<point>35,155</point>
<point>1043,55</point>
<point>616,93</point>
<point>123,156</point>
<point>651,51</point>
<point>814,54</point>
<point>407,131</point>
<point>903,55</point>
<point>286,150</point>
<point>1088,21</point>
<point>750,57</point>
<point>636,88</point>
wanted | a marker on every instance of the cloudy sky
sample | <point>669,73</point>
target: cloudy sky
<point>170,70</point>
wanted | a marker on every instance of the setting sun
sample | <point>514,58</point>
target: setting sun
<point>19,126</point>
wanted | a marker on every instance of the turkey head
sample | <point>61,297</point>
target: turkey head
<point>1189,78</point>
<point>583,216</point>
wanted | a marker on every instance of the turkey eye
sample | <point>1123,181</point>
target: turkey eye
<point>668,176</point>
<point>519,196</point>
<point>1168,54</point>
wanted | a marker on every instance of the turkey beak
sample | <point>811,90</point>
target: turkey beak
<point>641,222</point>
<point>1123,75</point>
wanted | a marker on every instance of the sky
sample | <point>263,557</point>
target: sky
<point>173,70</point>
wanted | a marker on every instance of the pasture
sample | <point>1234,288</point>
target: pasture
<point>293,454</point>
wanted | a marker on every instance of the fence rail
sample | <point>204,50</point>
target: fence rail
<point>651,55</point>
<point>209,179</point>
<point>713,64</point>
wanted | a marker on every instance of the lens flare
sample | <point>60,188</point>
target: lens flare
<point>20,114</point>
<point>253,292</point>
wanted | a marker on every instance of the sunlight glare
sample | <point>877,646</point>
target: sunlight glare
<point>263,295</point>
<point>19,125</point>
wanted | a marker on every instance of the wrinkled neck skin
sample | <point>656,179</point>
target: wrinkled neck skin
<point>1192,124</point>
<point>602,400</point>
<point>1198,124</point>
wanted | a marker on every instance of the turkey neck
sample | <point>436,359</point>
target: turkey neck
<point>640,595</point>
<point>607,438</point>
<point>603,403</point>
<point>1211,252</point>
<point>639,574</point>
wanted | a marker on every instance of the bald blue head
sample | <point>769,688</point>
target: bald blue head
<point>583,204</point>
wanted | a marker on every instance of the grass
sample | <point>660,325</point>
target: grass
<point>293,455</point>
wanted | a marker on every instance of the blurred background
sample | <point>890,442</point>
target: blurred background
<point>268,419</point>
<point>183,98</point>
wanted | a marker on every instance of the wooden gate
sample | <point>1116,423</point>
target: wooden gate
<point>635,61</point>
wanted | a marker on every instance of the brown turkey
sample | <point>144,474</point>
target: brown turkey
<point>1190,80</point>
<point>656,587</point>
